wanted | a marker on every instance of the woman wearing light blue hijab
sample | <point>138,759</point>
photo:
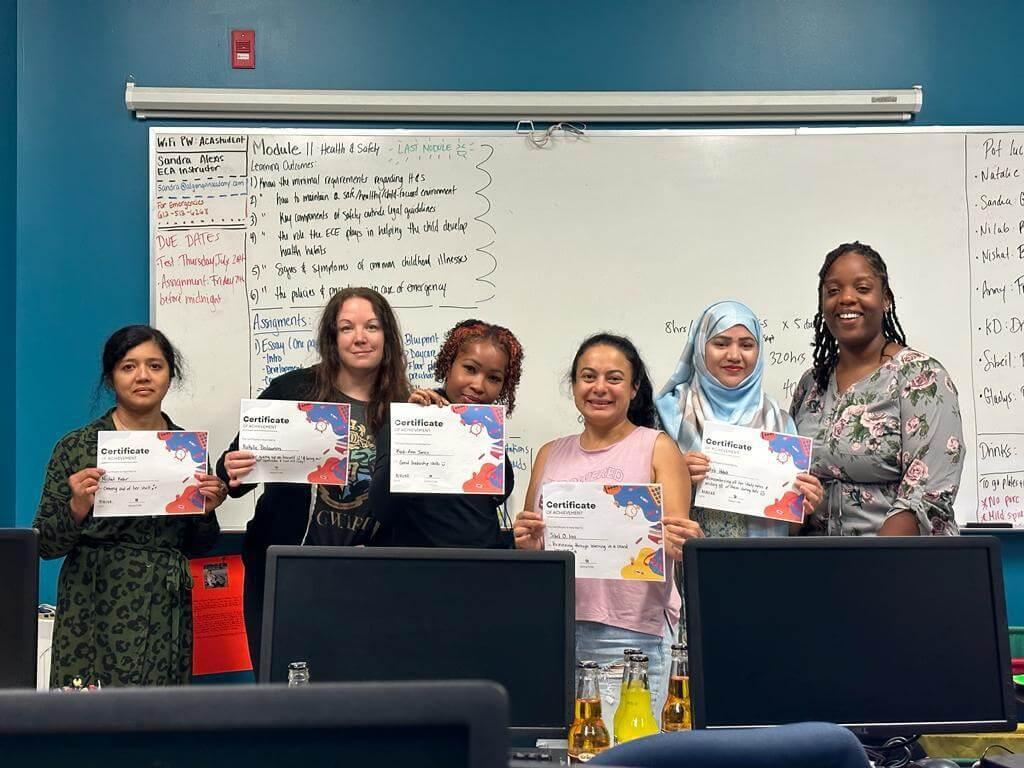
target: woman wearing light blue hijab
<point>719,378</point>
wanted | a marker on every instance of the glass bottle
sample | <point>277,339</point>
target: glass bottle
<point>588,734</point>
<point>298,673</point>
<point>638,718</point>
<point>676,715</point>
<point>617,719</point>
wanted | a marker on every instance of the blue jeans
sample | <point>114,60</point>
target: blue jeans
<point>604,644</point>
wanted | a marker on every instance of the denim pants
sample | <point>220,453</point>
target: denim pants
<point>604,644</point>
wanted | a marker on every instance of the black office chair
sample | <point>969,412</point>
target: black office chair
<point>802,745</point>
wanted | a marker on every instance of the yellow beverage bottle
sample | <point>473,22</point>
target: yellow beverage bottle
<point>676,714</point>
<point>620,711</point>
<point>588,735</point>
<point>638,716</point>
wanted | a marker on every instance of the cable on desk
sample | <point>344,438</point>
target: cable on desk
<point>984,754</point>
<point>881,755</point>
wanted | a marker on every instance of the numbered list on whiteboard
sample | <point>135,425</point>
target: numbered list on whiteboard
<point>264,228</point>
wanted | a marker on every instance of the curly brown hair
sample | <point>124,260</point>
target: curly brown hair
<point>392,384</point>
<point>477,330</point>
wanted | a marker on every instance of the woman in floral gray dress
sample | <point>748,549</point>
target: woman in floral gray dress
<point>888,440</point>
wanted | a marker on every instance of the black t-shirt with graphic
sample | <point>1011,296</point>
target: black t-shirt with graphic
<point>340,515</point>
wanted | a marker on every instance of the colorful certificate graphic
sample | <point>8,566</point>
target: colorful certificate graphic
<point>455,449</point>
<point>752,472</point>
<point>296,442</point>
<point>614,530</point>
<point>149,473</point>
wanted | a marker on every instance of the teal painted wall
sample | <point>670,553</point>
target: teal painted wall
<point>8,186</point>
<point>81,198</point>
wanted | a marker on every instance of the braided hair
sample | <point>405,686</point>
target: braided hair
<point>641,408</point>
<point>472,330</point>
<point>826,348</point>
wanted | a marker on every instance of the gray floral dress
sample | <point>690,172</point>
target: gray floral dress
<point>891,442</point>
<point>124,597</point>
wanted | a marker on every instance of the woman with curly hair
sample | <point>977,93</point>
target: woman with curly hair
<point>888,439</point>
<point>479,363</point>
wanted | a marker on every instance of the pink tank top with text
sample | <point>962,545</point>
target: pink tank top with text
<point>638,606</point>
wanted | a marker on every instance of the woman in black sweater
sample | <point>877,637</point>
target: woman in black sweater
<point>361,363</point>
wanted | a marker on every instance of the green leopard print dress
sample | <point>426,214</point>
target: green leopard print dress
<point>124,597</point>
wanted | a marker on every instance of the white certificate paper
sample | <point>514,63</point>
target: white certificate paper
<point>752,472</point>
<point>614,530</point>
<point>295,442</point>
<point>149,473</point>
<point>454,449</point>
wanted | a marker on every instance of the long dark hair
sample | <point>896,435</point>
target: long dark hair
<point>641,407</point>
<point>125,339</point>
<point>392,383</point>
<point>477,330</point>
<point>826,349</point>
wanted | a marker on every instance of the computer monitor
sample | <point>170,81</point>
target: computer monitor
<point>435,725</point>
<point>887,636</point>
<point>365,614</point>
<point>19,598</point>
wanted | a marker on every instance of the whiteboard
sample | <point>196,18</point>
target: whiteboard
<point>251,231</point>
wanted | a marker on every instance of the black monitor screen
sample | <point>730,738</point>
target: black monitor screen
<point>425,747</point>
<point>892,635</point>
<point>416,614</point>
<point>19,575</point>
<point>427,725</point>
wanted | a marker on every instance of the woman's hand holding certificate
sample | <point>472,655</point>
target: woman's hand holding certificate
<point>451,449</point>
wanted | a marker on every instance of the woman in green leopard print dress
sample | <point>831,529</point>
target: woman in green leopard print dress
<point>124,595</point>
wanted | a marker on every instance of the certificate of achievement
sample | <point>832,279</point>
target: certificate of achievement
<point>295,442</point>
<point>149,473</point>
<point>752,472</point>
<point>614,530</point>
<point>454,449</point>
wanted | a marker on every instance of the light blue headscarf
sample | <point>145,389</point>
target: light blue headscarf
<point>693,396</point>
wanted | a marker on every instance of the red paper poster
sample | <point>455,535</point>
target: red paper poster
<point>218,627</point>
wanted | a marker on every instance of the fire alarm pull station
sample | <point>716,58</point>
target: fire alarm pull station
<point>243,49</point>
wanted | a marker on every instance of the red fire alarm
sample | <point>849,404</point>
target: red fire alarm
<point>243,49</point>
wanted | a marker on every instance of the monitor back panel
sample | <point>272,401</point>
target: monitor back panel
<point>449,725</point>
<point>874,633</point>
<point>19,596</point>
<point>394,614</point>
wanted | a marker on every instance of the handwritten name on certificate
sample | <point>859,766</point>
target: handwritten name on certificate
<point>752,472</point>
<point>295,442</point>
<point>149,473</point>
<point>614,530</point>
<point>454,449</point>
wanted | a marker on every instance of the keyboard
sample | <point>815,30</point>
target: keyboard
<point>536,757</point>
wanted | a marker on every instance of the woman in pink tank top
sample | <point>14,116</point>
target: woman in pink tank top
<point>613,393</point>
